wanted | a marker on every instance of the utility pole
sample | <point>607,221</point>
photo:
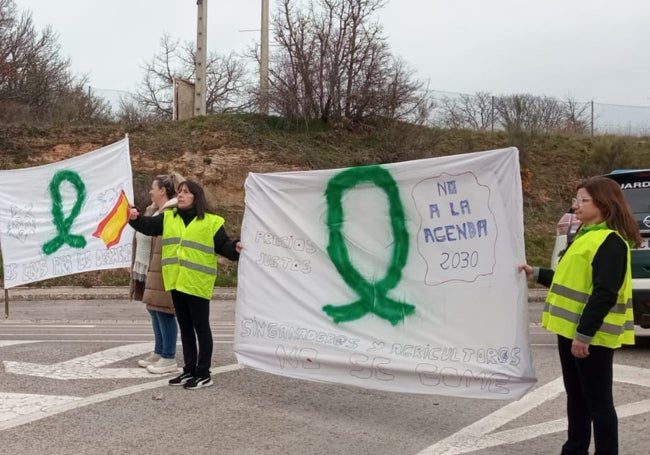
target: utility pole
<point>201,57</point>
<point>264,60</point>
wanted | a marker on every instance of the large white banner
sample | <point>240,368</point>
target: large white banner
<point>51,216</point>
<point>399,277</point>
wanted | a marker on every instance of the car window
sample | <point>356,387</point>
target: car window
<point>639,199</point>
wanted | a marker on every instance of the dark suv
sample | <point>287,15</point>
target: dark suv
<point>636,186</point>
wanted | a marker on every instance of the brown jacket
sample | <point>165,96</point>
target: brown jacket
<point>154,295</point>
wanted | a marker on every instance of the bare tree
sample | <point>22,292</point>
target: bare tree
<point>7,23</point>
<point>226,80</point>
<point>227,84</point>
<point>514,113</point>
<point>577,116</point>
<point>130,111</point>
<point>35,81</point>
<point>468,111</point>
<point>539,114</point>
<point>333,63</point>
<point>404,97</point>
<point>155,94</point>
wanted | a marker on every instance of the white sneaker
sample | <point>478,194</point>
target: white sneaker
<point>163,366</point>
<point>149,360</point>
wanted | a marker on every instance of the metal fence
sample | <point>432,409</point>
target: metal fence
<point>621,120</point>
<point>600,118</point>
<point>480,111</point>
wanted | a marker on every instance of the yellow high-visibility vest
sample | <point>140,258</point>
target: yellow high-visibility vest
<point>572,286</point>
<point>189,263</point>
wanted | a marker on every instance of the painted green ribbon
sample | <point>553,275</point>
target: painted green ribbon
<point>373,298</point>
<point>62,223</point>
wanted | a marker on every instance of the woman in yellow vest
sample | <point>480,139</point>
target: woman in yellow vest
<point>589,307</point>
<point>191,238</point>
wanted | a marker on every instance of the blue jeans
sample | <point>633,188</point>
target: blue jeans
<point>165,332</point>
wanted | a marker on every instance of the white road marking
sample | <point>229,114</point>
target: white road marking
<point>42,406</point>
<point>52,326</point>
<point>15,405</point>
<point>87,367</point>
<point>481,434</point>
<point>4,343</point>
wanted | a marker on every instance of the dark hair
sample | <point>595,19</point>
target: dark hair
<point>200,202</point>
<point>608,196</point>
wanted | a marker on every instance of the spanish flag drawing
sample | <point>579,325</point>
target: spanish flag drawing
<point>111,227</point>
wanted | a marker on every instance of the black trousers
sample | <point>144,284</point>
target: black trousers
<point>588,385</point>
<point>193,315</point>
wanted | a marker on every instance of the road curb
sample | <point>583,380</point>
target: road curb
<point>122,293</point>
<point>96,293</point>
<point>537,295</point>
<point>10,320</point>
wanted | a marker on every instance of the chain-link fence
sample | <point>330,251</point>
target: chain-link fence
<point>621,120</point>
<point>484,111</point>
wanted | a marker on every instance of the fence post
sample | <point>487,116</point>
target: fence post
<point>492,114</point>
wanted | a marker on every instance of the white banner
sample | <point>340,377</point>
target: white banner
<point>399,277</point>
<point>49,216</point>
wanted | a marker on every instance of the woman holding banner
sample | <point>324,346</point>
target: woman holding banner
<point>191,239</point>
<point>147,283</point>
<point>589,307</point>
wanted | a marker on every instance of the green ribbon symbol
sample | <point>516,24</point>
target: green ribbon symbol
<point>373,298</point>
<point>62,223</point>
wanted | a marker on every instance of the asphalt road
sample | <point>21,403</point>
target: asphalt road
<point>69,385</point>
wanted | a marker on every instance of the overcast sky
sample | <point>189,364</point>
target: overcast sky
<point>585,49</point>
